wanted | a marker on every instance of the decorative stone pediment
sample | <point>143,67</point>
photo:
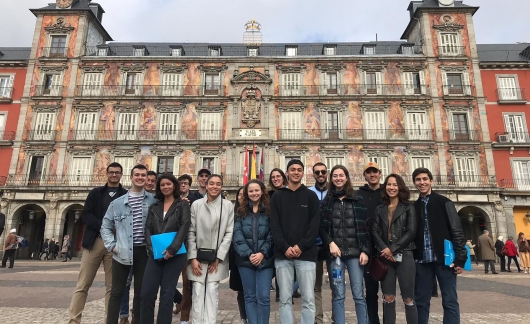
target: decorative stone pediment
<point>377,152</point>
<point>454,68</point>
<point>129,108</point>
<point>416,106</point>
<point>461,108</point>
<point>333,107</point>
<point>88,107</point>
<point>164,151</point>
<point>371,66</point>
<point>290,68</point>
<point>172,68</point>
<point>250,109</point>
<point>292,152</point>
<point>374,107</point>
<point>333,67</point>
<point>46,108</point>
<point>82,151</point>
<point>460,150</point>
<point>210,151</point>
<point>207,108</point>
<point>411,67</point>
<point>251,76</point>
<point>170,109</point>
<point>414,152</point>
<point>94,68</point>
<point>133,151</point>
<point>448,27</point>
<point>297,108</point>
<point>212,68</point>
<point>329,152</point>
<point>138,68</point>
<point>60,27</point>
<point>40,151</point>
<point>53,68</point>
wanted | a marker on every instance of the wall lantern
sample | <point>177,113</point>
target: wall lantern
<point>31,215</point>
<point>470,218</point>
<point>77,216</point>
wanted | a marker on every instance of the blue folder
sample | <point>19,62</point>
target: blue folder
<point>449,255</point>
<point>161,242</point>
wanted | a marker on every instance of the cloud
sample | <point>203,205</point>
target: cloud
<point>288,21</point>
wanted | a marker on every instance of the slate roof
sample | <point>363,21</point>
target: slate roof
<point>76,5</point>
<point>14,53</point>
<point>504,52</point>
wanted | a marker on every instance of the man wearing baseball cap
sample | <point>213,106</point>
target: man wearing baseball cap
<point>371,192</point>
<point>202,178</point>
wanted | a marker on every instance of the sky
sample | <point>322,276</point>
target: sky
<point>283,21</point>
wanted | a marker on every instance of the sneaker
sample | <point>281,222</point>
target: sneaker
<point>327,278</point>
<point>526,271</point>
<point>243,321</point>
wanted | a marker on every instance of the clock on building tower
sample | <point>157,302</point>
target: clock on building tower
<point>446,3</point>
<point>63,4</point>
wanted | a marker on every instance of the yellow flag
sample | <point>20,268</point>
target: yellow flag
<point>253,166</point>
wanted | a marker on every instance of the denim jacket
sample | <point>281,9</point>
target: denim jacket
<point>117,227</point>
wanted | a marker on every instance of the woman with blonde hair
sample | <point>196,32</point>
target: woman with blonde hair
<point>524,252</point>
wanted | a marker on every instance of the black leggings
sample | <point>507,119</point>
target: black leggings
<point>516,262</point>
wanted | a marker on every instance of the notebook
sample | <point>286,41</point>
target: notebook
<point>160,242</point>
<point>449,255</point>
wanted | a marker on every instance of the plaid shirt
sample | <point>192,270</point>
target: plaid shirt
<point>428,252</point>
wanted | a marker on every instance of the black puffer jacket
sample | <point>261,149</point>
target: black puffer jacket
<point>403,228</point>
<point>339,224</point>
<point>178,219</point>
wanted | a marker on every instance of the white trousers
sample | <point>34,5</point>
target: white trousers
<point>205,302</point>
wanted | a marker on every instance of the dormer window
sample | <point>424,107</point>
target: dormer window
<point>291,50</point>
<point>176,51</point>
<point>139,51</point>
<point>102,51</point>
<point>407,49</point>
<point>368,49</point>
<point>330,50</point>
<point>214,51</point>
<point>252,52</point>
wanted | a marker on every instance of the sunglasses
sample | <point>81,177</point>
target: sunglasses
<point>323,172</point>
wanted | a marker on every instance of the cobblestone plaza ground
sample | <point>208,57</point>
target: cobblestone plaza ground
<point>40,292</point>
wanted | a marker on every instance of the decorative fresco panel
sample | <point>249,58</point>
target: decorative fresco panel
<point>353,118</point>
<point>187,162</point>
<point>54,160</point>
<point>356,161</point>
<point>449,165</point>
<point>396,121</point>
<point>190,122</point>
<point>148,122</point>
<point>400,164</point>
<point>312,157</point>
<point>311,122</point>
<point>102,161</point>
<point>311,79</point>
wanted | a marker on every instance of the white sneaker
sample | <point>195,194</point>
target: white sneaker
<point>183,322</point>
<point>243,321</point>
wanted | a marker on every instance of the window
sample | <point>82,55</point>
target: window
<point>465,170</point>
<point>169,126</point>
<point>176,52</point>
<point>102,51</point>
<point>420,162</point>
<point>210,126</point>
<point>333,130</point>
<point>127,163</point>
<point>460,128</point>
<point>414,83</point>
<point>212,84</point>
<point>36,170</point>
<point>374,122</point>
<point>516,128</point>
<point>58,46</point>
<point>508,89</point>
<point>44,126</point>
<point>521,174</point>
<point>331,83</point>
<point>333,161</point>
<point>92,84</point>
<point>372,83</point>
<point>3,119</point>
<point>172,84</point>
<point>80,171</point>
<point>456,84</point>
<point>383,164</point>
<point>330,50</point>
<point>252,52</point>
<point>418,126</point>
<point>291,50</point>
<point>369,50</point>
<point>208,163</point>
<point>291,125</point>
<point>139,52</point>
<point>6,86</point>
<point>407,50</point>
<point>290,84</point>
<point>165,164</point>
<point>86,126</point>
<point>214,51</point>
<point>52,85</point>
<point>449,44</point>
<point>127,126</point>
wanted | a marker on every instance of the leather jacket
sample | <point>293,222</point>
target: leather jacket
<point>177,219</point>
<point>403,228</point>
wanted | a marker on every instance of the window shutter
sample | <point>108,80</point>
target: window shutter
<point>508,89</point>
<point>379,81</point>
<point>56,85</point>
<point>383,164</point>
<point>331,162</point>
<point>521,174</point>
<point>127,126</point>
<point>445,83</point>
<point>7,91</point>
<point>291,125</point>
<point>171,84</point>
<point>2,124</point>
<point>364,85</point>
<point>416,125</point>
<point>81,171</point>
<point>327,84</point>
<point>169,126</point>
<point>44,126</point>
<point>127,163</point>
<point>86,126</point>
<point>375,127</point>
<point>466,83</point>
<point>138,84</point>
<point>515,127</point>
<point>210,126</point>
<point>408,83</point>
<point>423,85</point>
<point>420,162</point>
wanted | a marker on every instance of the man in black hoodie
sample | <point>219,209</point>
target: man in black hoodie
<point>371,192</point>
<point>295,219</point>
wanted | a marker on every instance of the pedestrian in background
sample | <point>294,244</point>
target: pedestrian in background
<point>511,252</point>
<point>10,247</point>
<point>499,246</point>
<point>487,251</point>
<point>45,249</point>
<point>67,246</point>
<point>471,247</point>
<point>524,252</point>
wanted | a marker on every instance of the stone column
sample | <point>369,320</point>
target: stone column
<point>500,219</point>
<point>510,223</point>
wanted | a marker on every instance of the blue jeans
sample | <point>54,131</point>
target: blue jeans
<point>256,284</point>
<point>124,308</point>
<point>306,276</point>
<point>446,276</point>
<point>356,274</point>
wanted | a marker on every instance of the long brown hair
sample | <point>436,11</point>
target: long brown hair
<point>519,237</point>
<point>403,190</point>
<point>244,209</point>
<point>348,186</point>
<point>284,177</point>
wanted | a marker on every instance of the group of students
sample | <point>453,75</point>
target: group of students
<point>288,232</point>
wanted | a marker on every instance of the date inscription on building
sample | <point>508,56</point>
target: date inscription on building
<point>250,133</point>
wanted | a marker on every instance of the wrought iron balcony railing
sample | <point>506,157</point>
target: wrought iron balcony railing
<point>360,134</point>
<point>148,90</point>
<point>145,135</point>
<point>464,136</point>
<point>451,50</point>
<point>6,93</point>
<point>513,137</point>
<point>510,95</point>
<point>47,91</point>
<point>352,90</point>
<point>458,90</point>
<point>41,135</point>
<point>521,184</point>
<point>53,52</point>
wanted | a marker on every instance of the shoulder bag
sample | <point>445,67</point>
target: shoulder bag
<point>210,255</point>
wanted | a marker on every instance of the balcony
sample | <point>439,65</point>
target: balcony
<point>509,139</point>
<point>458,90</point>
<point>353,90</point>
<point>42,135</point>
<point>147,91</point>
<point>145,135</point>
<point>6,94</point>
<point>32,180</point>
<point>464,136</point>
<point>520,184</point>
<point>511,96</point>
<point>54,52</point>
<point>47,91</point>
<point>451,51</point>
<point>356,134</point>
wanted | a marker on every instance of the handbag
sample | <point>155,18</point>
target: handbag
<point>378,269</point>
<point>210,255</point>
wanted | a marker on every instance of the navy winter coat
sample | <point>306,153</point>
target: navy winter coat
<point>252,234</point>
